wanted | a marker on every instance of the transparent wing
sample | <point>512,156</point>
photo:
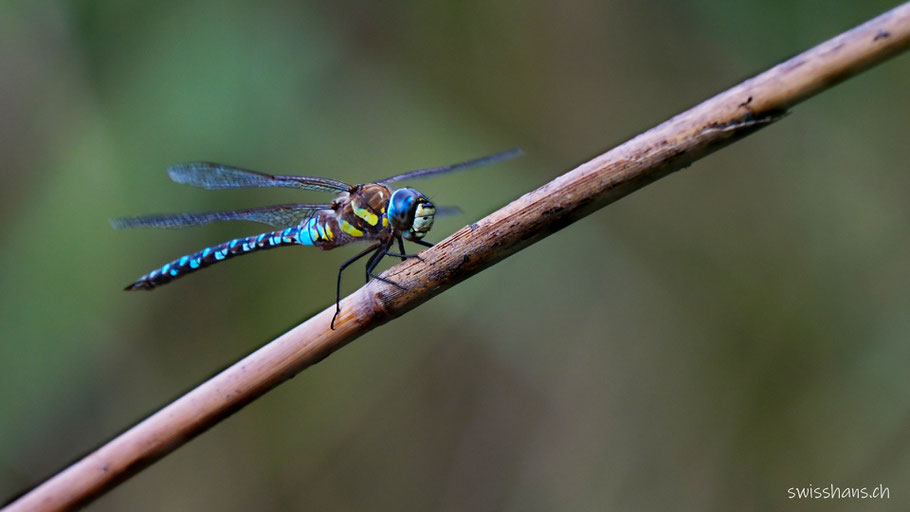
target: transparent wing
<point>448,211</point>
<point>278,216</point>
<point>213,176</point>
<point>420,173</point>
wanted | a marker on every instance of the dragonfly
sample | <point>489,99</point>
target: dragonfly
<point>370,212</point>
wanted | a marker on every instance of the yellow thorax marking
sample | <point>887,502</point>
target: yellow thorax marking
<point>350,229</point>
<point>328,232</point>
<point>365,214</point>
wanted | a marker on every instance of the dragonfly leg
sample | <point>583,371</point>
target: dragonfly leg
<point>401,249</point>
<point>423,243</point>
<point>384,280</point>
<point>375,259</point>
<point>403,255</point>
<point>338,284</point>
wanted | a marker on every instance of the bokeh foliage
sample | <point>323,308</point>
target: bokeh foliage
<point>727,333</point>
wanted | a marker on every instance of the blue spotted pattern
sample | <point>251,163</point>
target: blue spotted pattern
<point>300,235</point>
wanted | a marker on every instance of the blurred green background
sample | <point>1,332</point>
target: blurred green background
<point>727,333</point>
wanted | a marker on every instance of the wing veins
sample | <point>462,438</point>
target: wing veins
<point>420,173</point>
<point>278,216</point>
<point>213,176</point>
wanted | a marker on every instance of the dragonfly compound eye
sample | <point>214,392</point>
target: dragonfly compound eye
<point>423,219</point>
<point>402,206</point>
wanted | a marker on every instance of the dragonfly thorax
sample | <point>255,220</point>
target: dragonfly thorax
<point>410,213</point>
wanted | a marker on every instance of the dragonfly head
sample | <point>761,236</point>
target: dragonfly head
<point>411,213</point>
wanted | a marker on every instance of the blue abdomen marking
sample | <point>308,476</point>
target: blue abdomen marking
<point>210,255</point>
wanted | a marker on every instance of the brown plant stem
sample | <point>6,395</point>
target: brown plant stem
<point>668,147</point>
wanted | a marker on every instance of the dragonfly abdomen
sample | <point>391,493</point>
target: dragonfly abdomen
<point>298,235</point>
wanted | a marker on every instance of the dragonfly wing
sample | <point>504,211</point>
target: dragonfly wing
<point>278,216</point>
<point>420,173</point>
<point>213,176</point>
<point>447,211</point>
